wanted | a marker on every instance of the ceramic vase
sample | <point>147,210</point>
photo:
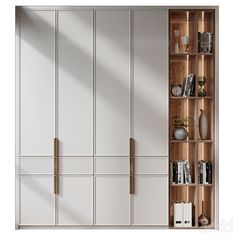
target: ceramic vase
<point>180,133</point>
<point>203,124</point>
<point>202,218</point>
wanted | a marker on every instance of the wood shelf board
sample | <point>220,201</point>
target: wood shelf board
<point>182,141</point>
<point>182,98</point>
<point>181,185</point>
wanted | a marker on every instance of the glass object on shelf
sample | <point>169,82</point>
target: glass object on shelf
<point>176,34</point>
<point>201,82</point>
<point>185,41</point>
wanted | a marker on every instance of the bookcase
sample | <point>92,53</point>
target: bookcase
<point>192,51</point>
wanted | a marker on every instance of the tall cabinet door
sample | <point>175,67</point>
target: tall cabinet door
<point>36,116</point>
<point>112,118</point>
<point>150,116</point>
<point>75,117</point>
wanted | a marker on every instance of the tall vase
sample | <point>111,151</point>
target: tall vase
<point>203,126</point>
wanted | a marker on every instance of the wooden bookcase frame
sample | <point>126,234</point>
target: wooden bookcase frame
<point>190,22</point>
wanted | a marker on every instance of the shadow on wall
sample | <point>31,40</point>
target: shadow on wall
<point>153,110</point>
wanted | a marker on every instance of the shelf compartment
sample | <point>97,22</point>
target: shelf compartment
<point>183,194</point>
<point>205,152</point>
<point>206,68</point>
<point>182,108</point>
<point>205,195</point>
<point>205,21</point>
<point>184,151</point>
<point>185,22</point>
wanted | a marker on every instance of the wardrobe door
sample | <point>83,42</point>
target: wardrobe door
<point>75,117</point>
<point>36,82</point>
<point>35,116</point>
<point>150,83</point>
<point>112,118</point>
<point>150,205</point>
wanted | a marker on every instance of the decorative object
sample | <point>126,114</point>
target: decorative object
<point>176,34</point>
<point>176,90</point>
<point>203,221</point>
<point>189,86</point>
<point>201,82</point>
<point>185,41</point>
<point>205,42</point>
<point>180,133</point>
<point>180,126</point>
<point>203,126</point>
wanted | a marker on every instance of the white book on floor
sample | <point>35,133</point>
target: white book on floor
<point>187,214</point>
<point>178,214</point>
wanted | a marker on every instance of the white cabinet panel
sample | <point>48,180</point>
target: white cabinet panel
<point>150,82</point>
<point>150,206</point>
<point>37,200</point>
<point>76,165</point>
<point>75,201</point>
<point>112,165</point>
<point>36,82</point>
<point>75,82</point>
<point>112,200</point>
<point>36,165</point>
<point>151,165</point>
<point>112,82</point>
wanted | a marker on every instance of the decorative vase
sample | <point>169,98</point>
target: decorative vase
<point>202,219</point>
<point>203,124</point>
<point>176,35</point>
<point>180,133</point>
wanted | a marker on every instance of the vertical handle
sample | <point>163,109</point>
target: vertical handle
<point>56,166</point>
<point>131,165</point>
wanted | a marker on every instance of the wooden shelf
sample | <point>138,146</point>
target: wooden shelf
<point>205,185</point>
<point>182,141</point>
<point>182,98</point>
<point>193,149</point>
<point>207,97</point>
<point>205,141</point>
<point>181,185</point>
<point>184,54</point>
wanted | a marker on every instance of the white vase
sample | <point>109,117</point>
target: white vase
<point>203,126</point>
<point>180,133</point>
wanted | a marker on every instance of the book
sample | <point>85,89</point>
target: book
<point>204,172</point>
<point>175,172</point>
<point>180,172</point>
<point>187,175</point>
<point>189,86</point>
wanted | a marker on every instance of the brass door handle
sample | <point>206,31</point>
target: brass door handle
<point>131,166</point>
<point>56,166</point>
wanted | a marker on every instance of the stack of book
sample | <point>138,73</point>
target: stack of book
<point>189,86</point>
<point>180,172</point>
<point>182,214</point>
<point>204,172</point>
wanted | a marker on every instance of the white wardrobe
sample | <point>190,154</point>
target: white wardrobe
<point>92,83</point>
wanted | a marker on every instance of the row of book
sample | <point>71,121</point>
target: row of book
<point>189,86</point>
<point>182,214</point>
<point>204,172</point>
<point>180,172</point>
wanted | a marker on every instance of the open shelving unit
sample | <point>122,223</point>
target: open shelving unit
<point>189,22</point>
